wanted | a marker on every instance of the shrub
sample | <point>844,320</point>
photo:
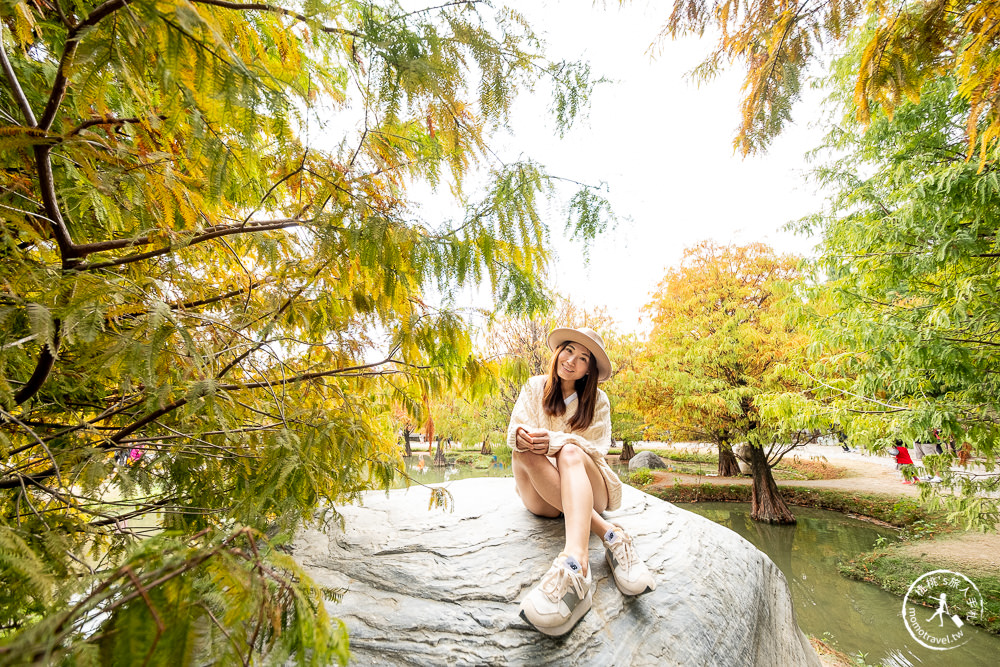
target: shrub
<point>639,477</point>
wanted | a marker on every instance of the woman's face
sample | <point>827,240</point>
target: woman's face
<point>574,362</point>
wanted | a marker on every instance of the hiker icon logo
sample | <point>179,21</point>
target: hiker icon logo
<point>954,600</point>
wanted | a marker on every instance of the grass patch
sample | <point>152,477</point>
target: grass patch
<point>887,509</point>
<point>893,572</point>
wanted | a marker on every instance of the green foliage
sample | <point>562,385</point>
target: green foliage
<point>685,455</point>
<point>211,258</point>
<point>503,454</point>
<point>906,341</point>
<point>640,477</point>
<point>442,499</point>
<point>720,345</point>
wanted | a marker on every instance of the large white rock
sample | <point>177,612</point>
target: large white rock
<point>438,588</point>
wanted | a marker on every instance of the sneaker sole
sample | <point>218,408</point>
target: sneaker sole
<point>560,630</point>
<point>648,589</point>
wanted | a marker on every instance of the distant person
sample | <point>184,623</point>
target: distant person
<point>902,458</point>
<point>559,435</point>
<point>841,437</point>
<point>922,449</point>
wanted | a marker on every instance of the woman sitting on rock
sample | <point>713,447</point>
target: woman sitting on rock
<point>559,433</point>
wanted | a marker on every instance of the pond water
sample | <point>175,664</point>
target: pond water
<point>421,469</point>
<point>856,615</point>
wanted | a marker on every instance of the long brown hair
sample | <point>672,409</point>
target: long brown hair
<point>586,392</point>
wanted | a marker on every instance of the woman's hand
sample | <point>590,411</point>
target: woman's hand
<point>535,442</point>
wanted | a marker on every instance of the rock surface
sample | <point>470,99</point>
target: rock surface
<point>438,588</point>
<point>645,459</point>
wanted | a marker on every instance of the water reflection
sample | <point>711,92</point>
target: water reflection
<point>422,469</point>
<point>859,616</point>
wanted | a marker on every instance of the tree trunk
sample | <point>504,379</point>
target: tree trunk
<point>627,452</point>
<point>766,503</point>
<point>728,465</point>
<point>486,449</point>
<point>439,459</point>
<point>406,442</point>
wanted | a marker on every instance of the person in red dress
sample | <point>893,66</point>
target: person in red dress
<point>902,457</point>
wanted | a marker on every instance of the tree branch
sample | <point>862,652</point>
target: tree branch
<point>46,360</point>
<point>115,439</point>
<point>47,188</point>
<point>105,120</point>
<point>264,7</point>
<point>210,233</point>
<point>15,85</point>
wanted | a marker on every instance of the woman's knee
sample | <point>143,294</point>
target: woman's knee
<point>571,454</point>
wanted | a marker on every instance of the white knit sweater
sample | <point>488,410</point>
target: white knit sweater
<point>595,440</point>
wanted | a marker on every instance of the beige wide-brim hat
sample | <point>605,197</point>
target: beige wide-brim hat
<point>591,340</point>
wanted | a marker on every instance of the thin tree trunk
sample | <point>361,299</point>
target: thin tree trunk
<point>406,442</point>
<point>439,459</point>
<point>728,465</point>
<point>486,449</point>
<point>766,503</point>
<point>627,452</point>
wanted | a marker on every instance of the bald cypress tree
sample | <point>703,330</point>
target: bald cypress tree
<point>216,283</point>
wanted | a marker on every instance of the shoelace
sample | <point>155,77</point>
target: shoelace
<point>623,551</point>
<point>555,584</point>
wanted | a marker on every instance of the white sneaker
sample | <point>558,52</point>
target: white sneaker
<point>630,573</point>
<point>560,599</point>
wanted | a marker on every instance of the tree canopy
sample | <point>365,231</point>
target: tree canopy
<point>909,261</point>
<point>721,342</point>
<point>216,283</point>
<point>781,45</point>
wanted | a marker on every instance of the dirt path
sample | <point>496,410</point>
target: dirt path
<point>865,473</point>
<point>962,551</point>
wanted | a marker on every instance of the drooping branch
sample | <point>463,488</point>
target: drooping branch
<point>105,120</point>
<point>190,305</point>
<point>46,360</point>
<point>210,233</point>
<point>350,370</point>
<point>115,440</point>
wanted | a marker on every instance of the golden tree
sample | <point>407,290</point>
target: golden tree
<point>904,44</point>
<point>211,258</point>
<point>720,343</point>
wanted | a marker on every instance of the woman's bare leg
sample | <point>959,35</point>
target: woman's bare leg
<point>574,486</point>
<point>537,483</point>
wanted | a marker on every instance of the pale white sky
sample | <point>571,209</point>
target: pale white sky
<point>664,147</point>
